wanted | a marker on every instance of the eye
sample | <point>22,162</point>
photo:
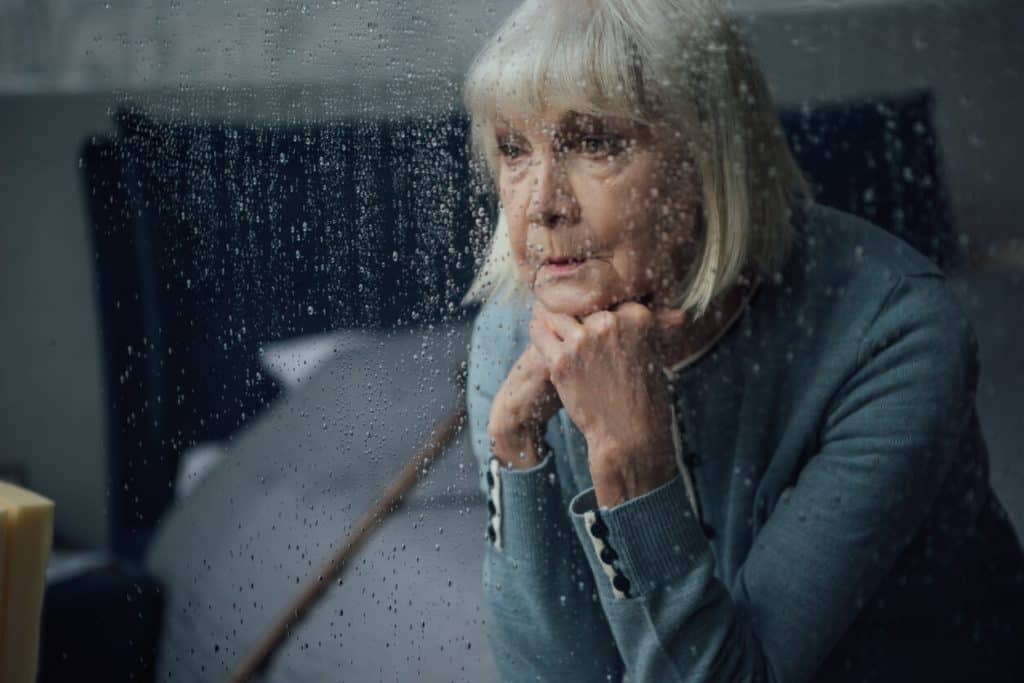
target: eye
<point>602,145</point>
<point>510,151</point>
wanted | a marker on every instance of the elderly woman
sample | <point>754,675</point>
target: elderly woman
<point>726,433</point>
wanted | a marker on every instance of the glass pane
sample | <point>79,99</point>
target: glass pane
<point>736,370</point>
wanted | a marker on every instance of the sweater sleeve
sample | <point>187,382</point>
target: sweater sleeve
<point>886,445</point>
<point>545,621</point>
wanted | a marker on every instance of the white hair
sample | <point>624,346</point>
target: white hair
<point>675,62</point>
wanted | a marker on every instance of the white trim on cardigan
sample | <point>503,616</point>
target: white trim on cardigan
<point>495,468</point>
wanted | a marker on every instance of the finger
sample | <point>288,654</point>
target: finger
<point>602,324</point>
<point>564,326</point>
<point>633,315</point>
<point>544,340</point>
<point>531,362</point>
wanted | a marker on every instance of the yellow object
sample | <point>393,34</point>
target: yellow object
<point>26,534</point>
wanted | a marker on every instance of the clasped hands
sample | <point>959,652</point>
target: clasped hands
<point>605,369</point>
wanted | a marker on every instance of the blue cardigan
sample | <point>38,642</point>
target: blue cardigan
<point>844,529</point>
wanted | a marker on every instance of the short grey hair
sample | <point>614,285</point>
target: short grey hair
<point>675,62</point>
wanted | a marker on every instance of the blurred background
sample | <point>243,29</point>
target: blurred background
<point>192,193</point>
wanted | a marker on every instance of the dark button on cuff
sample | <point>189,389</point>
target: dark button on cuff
<point>621,584</point>
<point>608,555</point>
<point>490,479</point>
<point>491,533</point>
<point>491,508</point>
<point>598,529</point>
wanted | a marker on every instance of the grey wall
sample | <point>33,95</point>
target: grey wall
<point>50,416</point>
<point>970,54</point>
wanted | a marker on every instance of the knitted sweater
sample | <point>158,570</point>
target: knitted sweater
<point>844,527</point>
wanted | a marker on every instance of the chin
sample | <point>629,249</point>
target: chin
<point>573,299</point>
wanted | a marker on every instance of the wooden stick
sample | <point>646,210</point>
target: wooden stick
<point>389,501</point>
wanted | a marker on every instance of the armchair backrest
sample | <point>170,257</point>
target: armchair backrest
<point>213,238</point>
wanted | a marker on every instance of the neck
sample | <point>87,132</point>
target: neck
<point>700,333</point>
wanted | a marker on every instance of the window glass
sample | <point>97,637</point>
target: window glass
<point>237,245</point>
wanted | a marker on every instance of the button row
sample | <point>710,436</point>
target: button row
<point>494,502</point>
<point>598,532</point>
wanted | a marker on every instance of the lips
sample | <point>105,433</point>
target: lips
<point>562,266</point>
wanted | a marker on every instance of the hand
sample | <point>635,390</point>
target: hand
<point>607,371</point>
<point>520,410</point>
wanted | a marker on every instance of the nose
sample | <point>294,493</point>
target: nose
<point>552,200</point>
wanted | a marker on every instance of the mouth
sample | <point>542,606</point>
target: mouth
<point>562,266</point>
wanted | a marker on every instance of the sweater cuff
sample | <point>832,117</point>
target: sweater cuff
<point>526,505</point>
<point>643,543</point>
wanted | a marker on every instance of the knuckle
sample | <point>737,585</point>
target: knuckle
<point>576,339</point>
<point>602,324</point>
<point>637,317</point>
<point>638,312</point>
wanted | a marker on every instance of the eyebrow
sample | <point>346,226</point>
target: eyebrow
<point>572,123</point>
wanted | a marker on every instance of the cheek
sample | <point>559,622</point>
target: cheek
<point>656,233</point>
<point>516,221</point>
<point>641,226</point>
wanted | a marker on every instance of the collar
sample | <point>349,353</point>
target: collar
<point>672,371</point>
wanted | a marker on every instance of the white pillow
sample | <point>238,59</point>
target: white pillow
<point>290,362</point>
<point>294,361</point>
<point>290,488</point>
<point>194,464</point>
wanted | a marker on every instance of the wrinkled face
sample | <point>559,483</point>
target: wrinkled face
<point>600,210</point>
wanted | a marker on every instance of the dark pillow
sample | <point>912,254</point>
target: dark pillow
<point>215,237</point>
<point>879,158</point>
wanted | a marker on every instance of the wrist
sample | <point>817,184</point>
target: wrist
<point>520,448</point>
<point>620,473</point>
